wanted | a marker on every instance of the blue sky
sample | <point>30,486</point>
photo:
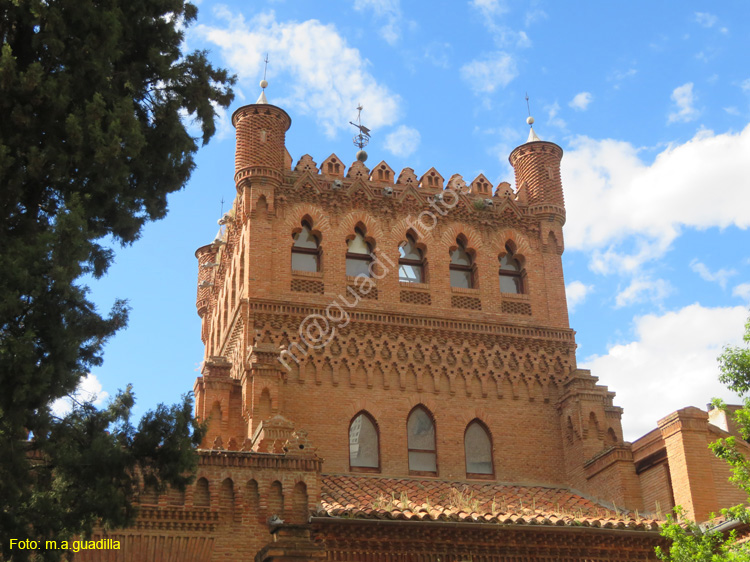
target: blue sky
<point>650,102</point>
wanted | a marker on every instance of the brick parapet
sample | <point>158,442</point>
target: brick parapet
<point>611,476</point>
<point>685,434</point>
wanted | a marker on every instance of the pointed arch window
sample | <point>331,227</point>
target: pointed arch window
<point>364,448</point>
<point>358,255</point>
<point>410,262</point>
<point>305,250</point>
<point>478,449</point>
<point>420,430</point>
<point>461,267</point>
<point>511,273</point>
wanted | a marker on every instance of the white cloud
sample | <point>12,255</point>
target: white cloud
<point>627,212</point>
<point>613,259</point>
<point>490,8</point>
<point>743,291</point>
<point>388,10</point>
<point>581,101</point>
<point>721,277</point>
<point>684,99</point>
<point>643,289</point>
<point>89,390</point>
<point>745,85</point>
<point>404,141</point>
<point>490,12</point>
<point>670,364</point>
<point>576,293</point>
<point>438,54</point>
<point>553,119</point>
<point>618,76</point>
<point>323,75</point>
<point>533,16</point>
<point>486,75</point>
<point>705,19</point>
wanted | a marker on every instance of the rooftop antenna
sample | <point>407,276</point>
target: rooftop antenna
<point>530,121</point>
<point>362,138</point>
<point>263,83</point>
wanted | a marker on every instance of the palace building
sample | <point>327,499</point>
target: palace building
<point>390,375</point>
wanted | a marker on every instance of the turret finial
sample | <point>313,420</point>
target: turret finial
<point>530,121</point>
<point>263,84</point>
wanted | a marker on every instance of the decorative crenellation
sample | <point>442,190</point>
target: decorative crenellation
<point>383,175</point>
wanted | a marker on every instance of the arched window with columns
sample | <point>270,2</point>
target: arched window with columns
<point>411,262</point>
<point>305,250</point>
<point>462,269</point>
<point>511,272</point>
<point>358,255</point>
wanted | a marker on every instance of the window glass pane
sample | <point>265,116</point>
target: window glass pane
<point>420,431</point>
<point>461,279</point>
<point>459,256</point>
<point>507,263</point>
<point>356,267</point>
<point>304,262</point>
<point>425,462</point>
<point>510,284</point>
<point>478,450</point>
<point>410,273</point>
<point>357,245</point>
<point>363,443</point>
<point>305,239</point>
<point>409,250</point>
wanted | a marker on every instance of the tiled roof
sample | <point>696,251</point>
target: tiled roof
<point>371,497</point>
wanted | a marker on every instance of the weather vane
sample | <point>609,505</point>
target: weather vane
<point>263,84</point>
<point>362,138</point>
<point>530,121</point>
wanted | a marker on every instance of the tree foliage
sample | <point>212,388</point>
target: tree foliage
<point>689,541</point>
<point>94,95</point>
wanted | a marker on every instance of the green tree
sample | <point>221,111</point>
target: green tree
<point>94,95</point>
<point>689,541</point>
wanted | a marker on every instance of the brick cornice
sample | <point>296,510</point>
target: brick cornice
<point>605,459</point>
<point>248,459</point>
<point>421,322</point>
<point>687,419</point>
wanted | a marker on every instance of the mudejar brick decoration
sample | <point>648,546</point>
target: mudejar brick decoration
<point>375,388</point>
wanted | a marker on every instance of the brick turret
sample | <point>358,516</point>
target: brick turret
<point>261,136</point>
<point>537,167</point>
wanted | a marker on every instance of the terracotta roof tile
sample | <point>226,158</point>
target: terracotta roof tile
<point>373,497</point>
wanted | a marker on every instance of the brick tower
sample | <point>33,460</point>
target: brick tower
<point>382,343</point>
